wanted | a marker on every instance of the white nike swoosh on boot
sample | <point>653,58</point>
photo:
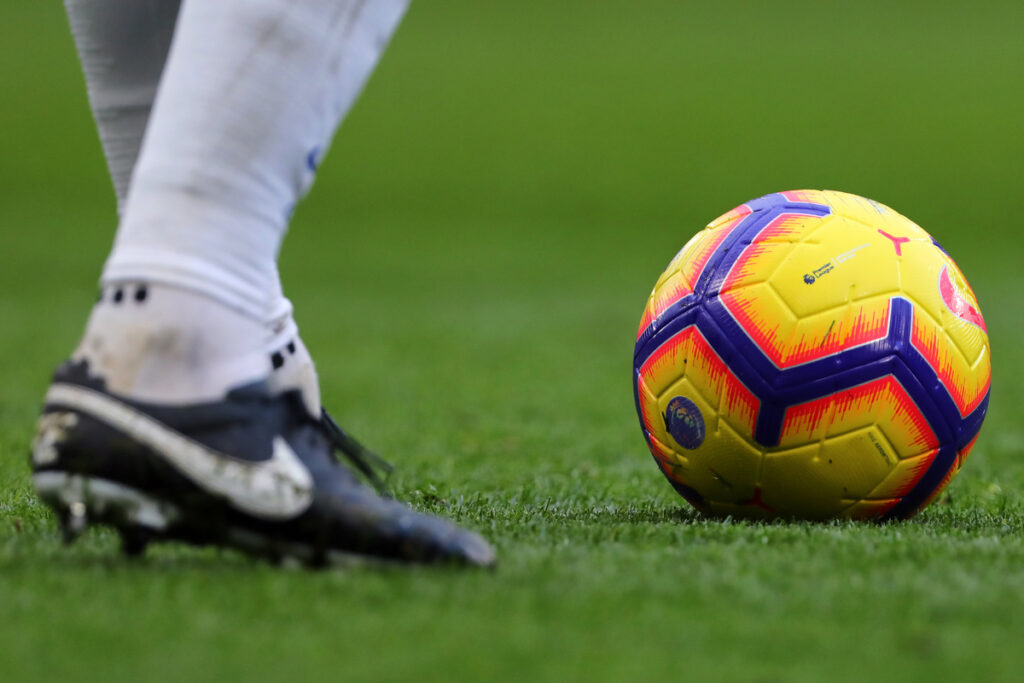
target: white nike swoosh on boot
<point>278,488</point>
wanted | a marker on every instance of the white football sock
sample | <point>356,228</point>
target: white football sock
<point>168,345</point>
<point>123,45</point>
<point>251,95</point>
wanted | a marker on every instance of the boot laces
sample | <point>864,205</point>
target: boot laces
<point>376,469</point>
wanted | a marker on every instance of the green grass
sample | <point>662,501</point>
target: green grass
<point>469,273</point>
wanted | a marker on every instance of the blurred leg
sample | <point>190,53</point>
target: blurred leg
<point>123,46</point>
<point>251,96</point>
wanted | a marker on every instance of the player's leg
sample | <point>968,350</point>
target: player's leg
<point>162,423</point>
<point>123,46</point>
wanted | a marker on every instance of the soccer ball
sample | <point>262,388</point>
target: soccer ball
<point>811,354</point>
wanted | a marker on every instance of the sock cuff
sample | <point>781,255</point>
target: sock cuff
<point>190,272</point>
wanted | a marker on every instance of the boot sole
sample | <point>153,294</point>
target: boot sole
<point>80,501</point>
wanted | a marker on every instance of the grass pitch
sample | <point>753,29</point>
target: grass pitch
<point>469,273</point>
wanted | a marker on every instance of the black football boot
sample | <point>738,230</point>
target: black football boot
<point>253,471</point>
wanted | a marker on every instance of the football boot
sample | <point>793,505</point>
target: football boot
<point>254,471</point>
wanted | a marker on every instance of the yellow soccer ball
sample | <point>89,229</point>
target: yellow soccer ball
<point>811,354</point>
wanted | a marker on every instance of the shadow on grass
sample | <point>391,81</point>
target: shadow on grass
<point>99,551</point>
<point>941,519</point>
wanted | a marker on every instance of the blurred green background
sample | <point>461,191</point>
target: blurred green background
<point>469,271</point>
